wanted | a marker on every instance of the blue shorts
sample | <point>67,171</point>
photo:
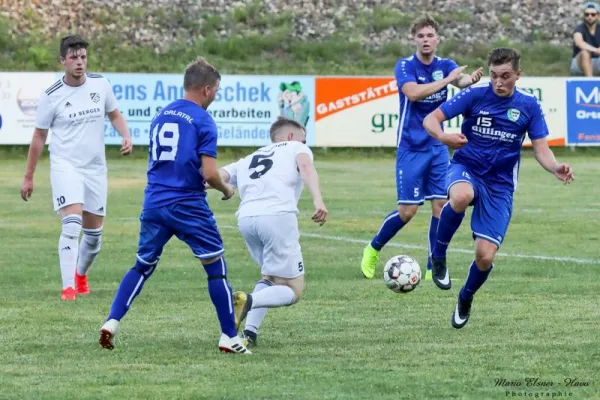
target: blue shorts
<point>492,205</point>
<point>421,175</point>
<point>193,224</point>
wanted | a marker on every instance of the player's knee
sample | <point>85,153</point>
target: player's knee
<point>93,239</point>
<point>71,226</point>
<point>484,259</point>
<point>460,200</point>
<point>407,212</point>
<point>145,269</point>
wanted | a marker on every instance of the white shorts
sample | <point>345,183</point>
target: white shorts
<point>274,243</point>
<point>576,71</point>
<point>72,187</point>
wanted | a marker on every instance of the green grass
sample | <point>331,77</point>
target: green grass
<point>349,338</point>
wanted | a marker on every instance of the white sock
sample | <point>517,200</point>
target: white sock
<point>68,246</point>
<point>256,315</point>
<point>274,296</point>
<point>89,247</point>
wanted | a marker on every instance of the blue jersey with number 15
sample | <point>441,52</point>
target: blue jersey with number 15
<point>179,134</point>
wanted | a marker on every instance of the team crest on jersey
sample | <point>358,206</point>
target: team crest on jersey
<point>95,97</point>
<point>513,114</point>
<point>437,75</point>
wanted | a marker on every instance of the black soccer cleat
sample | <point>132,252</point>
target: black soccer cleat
<point>461,313</point>
<point>249,338</point>
<point>440,274</point>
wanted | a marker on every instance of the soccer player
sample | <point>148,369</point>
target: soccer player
<point>484,170</point>
<point>270,182</point>
<point>421,161</point>
<point>182,158</point>
<point>74,108</point>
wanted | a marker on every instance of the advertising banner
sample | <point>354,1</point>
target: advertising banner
<point>583,112</point>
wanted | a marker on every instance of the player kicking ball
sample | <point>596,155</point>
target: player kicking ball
<point>421,161</point>
<point>484,169</point>
<point>183,150</point>
<point>74,108</point>
<point>270,182</point>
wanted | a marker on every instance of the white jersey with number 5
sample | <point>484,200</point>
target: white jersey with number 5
<point>75,116</point>
<point>268,179</point>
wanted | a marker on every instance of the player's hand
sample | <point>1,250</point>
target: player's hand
<point>320,215</point>
<point>126,146</point>
<point>229,192</point>
<point>454,140</point>
<point>26,188</point>
<point>564,173</point>
<point>476,76</point>
<point>456,73</point>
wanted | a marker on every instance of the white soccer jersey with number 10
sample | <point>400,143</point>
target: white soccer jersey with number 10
<point>268,179</point>
<point>75,116</point>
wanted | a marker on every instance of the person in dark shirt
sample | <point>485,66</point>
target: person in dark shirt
<point>586,43</point>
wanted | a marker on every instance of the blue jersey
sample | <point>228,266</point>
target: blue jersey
<point>179,134</point>
<point>411,134</point>
<point>495,127</point>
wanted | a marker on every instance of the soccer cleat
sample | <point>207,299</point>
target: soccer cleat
<point>461,313</point>
<point>249,338</point>
<point>107,333</point>
<point>369,261</point>
<point>242,303</point>
<point>232,345</point>
<point>69,294</point>
<point>440,274</point>
<point>428,276</point>
<point>81,284</point>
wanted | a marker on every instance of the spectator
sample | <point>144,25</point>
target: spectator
<point>586,43</point>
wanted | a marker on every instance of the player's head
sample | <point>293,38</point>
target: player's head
<point>73,55</point>
<point>425,33</point>
<point>505,69</point>
<point>201,82</point>
<point>590,13</point>
<point>285,129</point>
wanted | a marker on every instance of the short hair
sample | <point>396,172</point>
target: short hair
<point>423,22</point>
<point>73,43</point>
<point>504,55</point>
<point>281,123</point>
<point>200,73</point>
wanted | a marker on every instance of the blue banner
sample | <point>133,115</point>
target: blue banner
<point>244,109</point>
<point>583,112</point>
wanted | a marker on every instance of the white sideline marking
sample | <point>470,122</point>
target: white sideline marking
<point>450,250</point>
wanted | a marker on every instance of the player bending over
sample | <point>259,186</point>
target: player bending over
<point>483,171</point>
<point>182,156</point>
<point>270,182</point>
<point>74,108</point>
<point>421,161</point>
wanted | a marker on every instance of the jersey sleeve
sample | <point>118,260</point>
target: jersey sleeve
<point>302,148</point>
<point>207,143</point>
<point>459,104</point>
<point>232,170</point>
<point>405,72</point>
<point>111,103</point>
<point>451,65</point>
<point>45,112</point>
<point>538,128</point>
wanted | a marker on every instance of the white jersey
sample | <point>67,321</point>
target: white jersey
<point>75,116</point>
<point>268,179</point>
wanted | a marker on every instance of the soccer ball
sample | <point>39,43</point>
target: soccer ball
<point>402,274</point>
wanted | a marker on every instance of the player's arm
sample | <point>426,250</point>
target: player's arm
<point>465,80</point>
<point>545,157</point>
<point>212,176</point>
<point>310,177</point>
<point>33,157</point>
<point>433,125</point>
<point>583,45</point>
<point>118,122</point>
<point>406,78</point>
<point>225,177</point>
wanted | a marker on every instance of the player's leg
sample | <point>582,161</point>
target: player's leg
<point>435,191</point>
<point>68,196</point>
<point>491,215</point>
<point>461,191</point>
<point>94,210</point>
<point>154,234</point>
<point>410,167</point>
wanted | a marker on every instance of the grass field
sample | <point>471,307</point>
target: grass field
<point>349,338</point>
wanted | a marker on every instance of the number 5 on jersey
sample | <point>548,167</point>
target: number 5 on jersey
<point>167,136</point>
<point>260,160</point>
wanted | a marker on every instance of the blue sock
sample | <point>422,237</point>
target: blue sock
<point>433,226</point>
<point>448,225</point>
<point>221,295</point>
<point>390,226</point>
<point>131,285</point>
<point>474,281</point>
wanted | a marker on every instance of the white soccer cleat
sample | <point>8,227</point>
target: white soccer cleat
<point>232,345</point>
<point>107,333</point>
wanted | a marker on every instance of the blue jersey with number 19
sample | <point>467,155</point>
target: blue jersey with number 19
<point>179,134</point>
